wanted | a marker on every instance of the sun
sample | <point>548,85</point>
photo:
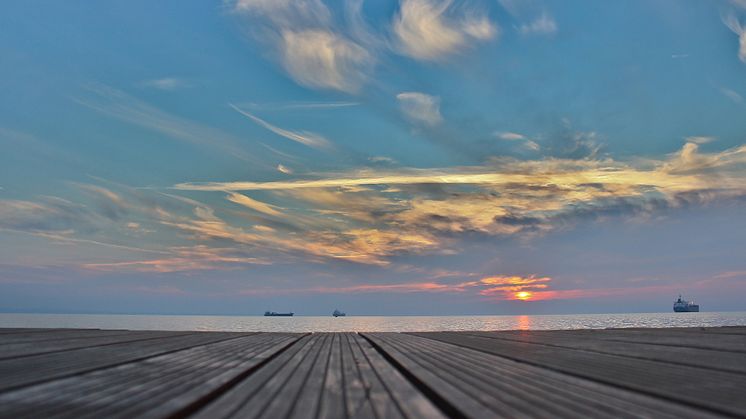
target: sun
<point>523,295</point>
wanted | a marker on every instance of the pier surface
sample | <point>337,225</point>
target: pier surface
<point>673,372</point>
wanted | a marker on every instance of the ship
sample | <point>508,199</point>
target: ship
<point>683,306</point>
<point>276,314</point>
<point>338,313</point>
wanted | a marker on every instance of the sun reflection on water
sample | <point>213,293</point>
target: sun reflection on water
<point>524,323</point>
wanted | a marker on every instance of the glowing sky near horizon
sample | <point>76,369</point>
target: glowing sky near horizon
<point>381,157</point>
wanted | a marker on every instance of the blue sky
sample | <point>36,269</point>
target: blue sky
<point>387,157</point>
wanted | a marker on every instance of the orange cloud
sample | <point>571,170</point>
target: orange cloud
<point>369,215</point>
<point>590,293</point>
<point>253,204</point>
<point>514,287</point>
<point>513,280</point>
<point>507,291</point>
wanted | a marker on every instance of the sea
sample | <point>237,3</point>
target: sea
<point>371,323</point>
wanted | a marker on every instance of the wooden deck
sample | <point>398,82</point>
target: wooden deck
<point>697,373</point>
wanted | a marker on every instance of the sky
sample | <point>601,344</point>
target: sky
<point>412,157</point>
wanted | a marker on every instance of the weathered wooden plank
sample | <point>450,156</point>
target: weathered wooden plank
<point>474,380</point>
<point>295,375</point>
<point>386,383</point>
<point>357,403</point>
<point>500,387</point>
<point>14,338</point>
<point>332,393</point>
<point>704,358</point>
<point>494,388</point>
<point>728,330</point>
<point>717,391</point>
<point>620,373</point>
<point>20,372</point>
<point>13,330</point>
<point>451,396</point>
<point>255,396</point>
<point>308,402</point>
<point>66,343</point>
<point>164,386</point>
<point>678,338</point>
<point>325,375</point>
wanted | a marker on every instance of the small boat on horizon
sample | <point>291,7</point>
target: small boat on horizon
<point>338,313</point>
<point>276,314</point>
<point>683,306</point>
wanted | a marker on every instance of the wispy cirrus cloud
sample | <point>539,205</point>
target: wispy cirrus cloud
<point>110,204</point>
<point>732,22</point>
<point>381,160</point>
<point>378,214</point>
<point>544,24</point>
<point>287,12</point>
<point>299,105</point>
<point>519,138</point>
<point>732,95</point>
<point>372,217</point>
<point>284,169</point>
<point>405,288</point>
<point>310,50</point>
<point>166,83</point>
<point>100,218</point>
<point>360,245</point>
<point>319,53</point>
<point>183,259</point>
<point>118,104</point>
<point>304,137</point>
<point>532,17</point>
<point>420,108</point>
<point>247,202</point>
<point>359,29</point>
<point>321,58</point>
<point>426,29</point>
<point>667,175</point>
<point>49,214</point>
<point>67,237</point>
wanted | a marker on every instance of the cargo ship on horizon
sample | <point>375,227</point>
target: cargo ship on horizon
<point>276,314</point>
<point>683,306</point>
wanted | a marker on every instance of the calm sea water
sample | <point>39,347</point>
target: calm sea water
<point>373,323</point>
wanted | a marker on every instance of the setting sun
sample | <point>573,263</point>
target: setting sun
<point>523,295</point>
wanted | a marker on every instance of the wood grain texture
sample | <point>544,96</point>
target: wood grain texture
<point>711,358</point>
<point>717,391</point>
<point>697,338</point>
<point>13,348</point>
<point>326,375</point>
<point>483,385</point>
<point>15,373</point>
<point>159,386</point>
<point>90,373</point>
